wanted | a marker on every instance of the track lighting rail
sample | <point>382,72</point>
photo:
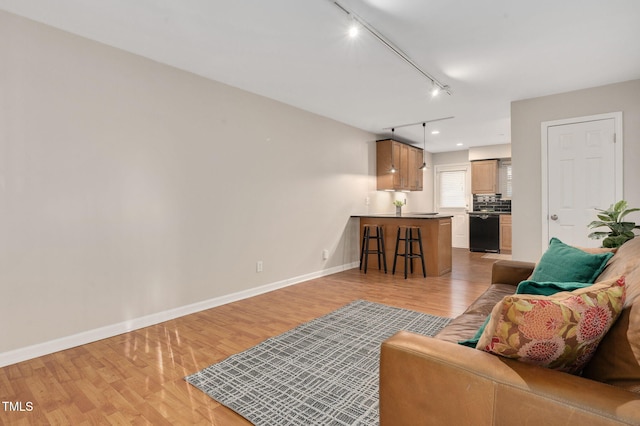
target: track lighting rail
<point>395,49</point>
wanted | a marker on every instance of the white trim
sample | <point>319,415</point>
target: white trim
<point>451,168</point>
<point>619,164</point>
<point>67,342</point>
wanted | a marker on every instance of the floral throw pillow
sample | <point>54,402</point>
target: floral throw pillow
<point>560,332</point>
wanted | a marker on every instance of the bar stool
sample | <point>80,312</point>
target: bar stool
<point>412,235</point>
<point>365,251</point>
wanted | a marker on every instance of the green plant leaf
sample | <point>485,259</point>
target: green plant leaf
<point>597,224</point>
<point>612,242</point>
<point>598,235</point>
<point>627,226</point>
<point>619,206</point>
<point>620,231</point>
<point>626,212</point>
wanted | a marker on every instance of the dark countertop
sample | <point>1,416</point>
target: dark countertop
<point>405,215</point>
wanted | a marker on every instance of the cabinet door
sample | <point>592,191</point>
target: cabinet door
<point>484,177</point>
<point>412,172</point>
<point>419,172</point>
<point>415,174</point>
<point>505,232</point>
<point>400,159</point>
<point>401,156</point>
<point>383,165</point>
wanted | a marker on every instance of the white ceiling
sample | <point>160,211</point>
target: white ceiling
<point>490,52</point>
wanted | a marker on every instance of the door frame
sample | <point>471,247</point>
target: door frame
<point>468,196</point>
<point>545,125</point>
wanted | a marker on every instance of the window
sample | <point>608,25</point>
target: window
<point>505,179</point>
<point>452,191</point>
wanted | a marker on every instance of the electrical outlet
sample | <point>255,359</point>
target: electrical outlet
<point>366,201</point>
<point>259,266</point>
<point>325,254</point>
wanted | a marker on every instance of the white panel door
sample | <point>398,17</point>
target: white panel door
<point>457,187</point>
<point>581,177</point>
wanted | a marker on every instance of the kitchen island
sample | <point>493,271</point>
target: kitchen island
<point>436,240</point>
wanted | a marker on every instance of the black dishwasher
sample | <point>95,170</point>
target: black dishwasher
<point>484,232</point>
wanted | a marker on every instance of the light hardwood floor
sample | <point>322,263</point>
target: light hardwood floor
<point>137,377</point>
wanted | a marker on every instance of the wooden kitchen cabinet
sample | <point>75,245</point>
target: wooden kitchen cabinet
<point>407,161</point>
<point>484,177</point>
<point>505,233</point>
<point>415,174</point>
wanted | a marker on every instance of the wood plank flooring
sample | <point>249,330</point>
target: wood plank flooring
<point>137,378</point>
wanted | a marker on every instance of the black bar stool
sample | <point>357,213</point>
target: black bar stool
<point>412,235</point>
<point>365,251</point>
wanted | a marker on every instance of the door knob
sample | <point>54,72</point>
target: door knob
<point>554,217</point>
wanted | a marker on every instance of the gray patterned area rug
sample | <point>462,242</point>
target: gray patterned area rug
<point>323,372</point>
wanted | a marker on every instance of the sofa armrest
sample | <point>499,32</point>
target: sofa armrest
<point>511,271</point>
<point>424,380</point>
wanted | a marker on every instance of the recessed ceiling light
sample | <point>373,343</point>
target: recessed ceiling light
<point>435,132</point>
<point>459,144</point>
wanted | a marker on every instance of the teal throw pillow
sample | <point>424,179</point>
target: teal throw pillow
<point>564,263</point>
<point>547,288</point>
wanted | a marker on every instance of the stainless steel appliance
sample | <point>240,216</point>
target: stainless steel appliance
<point>484,232</point>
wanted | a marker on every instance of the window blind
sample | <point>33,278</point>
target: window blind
<point>505,179</point>
<point>452,189</point>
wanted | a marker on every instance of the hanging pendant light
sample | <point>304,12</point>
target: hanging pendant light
<point>424,146</point>
<point>393,168</point>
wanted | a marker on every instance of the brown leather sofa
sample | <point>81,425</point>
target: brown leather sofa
<point>435,381</point>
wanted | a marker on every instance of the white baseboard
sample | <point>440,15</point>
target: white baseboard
<point>67,342</point>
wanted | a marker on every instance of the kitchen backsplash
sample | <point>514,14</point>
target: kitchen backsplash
<point>491,203</point>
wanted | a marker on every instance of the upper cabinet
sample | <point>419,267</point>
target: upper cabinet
<point>406,159</point>
<point>484,177</point>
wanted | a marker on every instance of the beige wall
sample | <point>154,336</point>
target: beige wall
<point>129,188</point>
<point>490,152</point>
<point>526,118</point>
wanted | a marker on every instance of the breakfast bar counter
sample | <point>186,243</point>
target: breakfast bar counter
<point>436,239</point>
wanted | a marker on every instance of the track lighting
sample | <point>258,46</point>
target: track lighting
<point>354,29</point>
<point>395,49</point>
<point>435,91</point>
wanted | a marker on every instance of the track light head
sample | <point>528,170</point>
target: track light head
<point>354,29</point>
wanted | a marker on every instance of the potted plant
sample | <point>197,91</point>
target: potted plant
<point>398,204</point>
<point>619,230</point>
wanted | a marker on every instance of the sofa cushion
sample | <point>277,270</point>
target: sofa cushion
<point>484,304</point>
<point>466,325</point>
<point>626,262</point>
<point>473,341</point>
<point>461,328</point>
<point>564,263</point>
<point>617,359</point>
<point>561,331</point>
